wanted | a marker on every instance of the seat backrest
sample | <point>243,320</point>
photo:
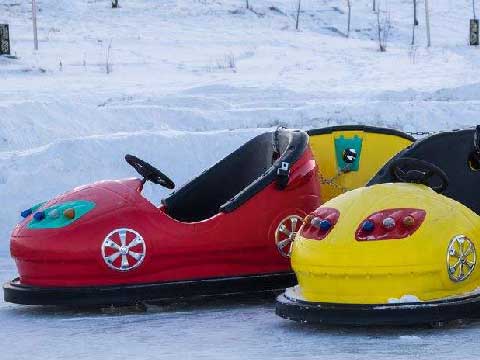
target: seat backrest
<point>221,184</point>
<point>450,151</point>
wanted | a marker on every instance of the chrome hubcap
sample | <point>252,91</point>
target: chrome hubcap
<point>461,258</point>
<point>123,249</point>
<point>286,232</point>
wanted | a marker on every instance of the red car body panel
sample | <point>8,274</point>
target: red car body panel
<point>229,244</point>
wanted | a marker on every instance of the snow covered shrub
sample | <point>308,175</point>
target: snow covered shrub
<point>226,63</point>
<point>230,61</point>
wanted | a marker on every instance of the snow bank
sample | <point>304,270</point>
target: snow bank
<point>404,299</point>
<point>295,293</point>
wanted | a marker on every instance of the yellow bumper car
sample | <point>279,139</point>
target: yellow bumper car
<point>402,250</point>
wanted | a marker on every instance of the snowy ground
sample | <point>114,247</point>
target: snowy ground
<point>189,81</point>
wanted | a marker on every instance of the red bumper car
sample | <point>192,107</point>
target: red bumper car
<point>106,244</point>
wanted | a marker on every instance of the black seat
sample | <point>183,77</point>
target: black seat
<point>451,152</point>
<point>236,178</point>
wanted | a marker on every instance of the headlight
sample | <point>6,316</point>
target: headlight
<point>390,224</point>
<point>318,224</point>
<point>60,215</point>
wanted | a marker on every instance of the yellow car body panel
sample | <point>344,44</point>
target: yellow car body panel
<point>377,149</point>
<point>341,269</point>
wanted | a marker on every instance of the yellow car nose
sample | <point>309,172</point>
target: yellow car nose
<point>344,267</point>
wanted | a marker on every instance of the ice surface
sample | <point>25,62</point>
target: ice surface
<point>232,328</point>
<point>191,80</point>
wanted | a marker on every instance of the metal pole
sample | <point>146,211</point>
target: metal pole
<point>298,14</point>
<point>349,16</point>
<point>34,21</point>
<point>427,23</point>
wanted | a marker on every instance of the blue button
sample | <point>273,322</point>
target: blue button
<point>40,215</point>
<point>26,213</point>
<point>368,226</point>
<point>325,225</point>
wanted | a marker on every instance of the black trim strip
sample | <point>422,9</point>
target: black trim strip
<point>372,129</point>
<point>298,142</point>
<point>380,314</point>
<point>17,293</point>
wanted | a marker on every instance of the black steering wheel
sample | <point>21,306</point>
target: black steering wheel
<point>149,172</point>
<point>418,171</point>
